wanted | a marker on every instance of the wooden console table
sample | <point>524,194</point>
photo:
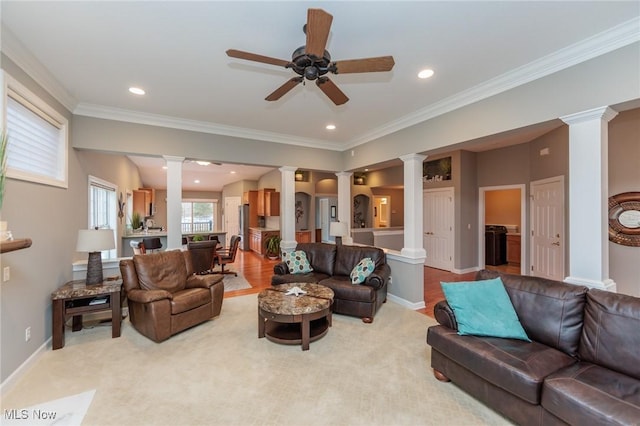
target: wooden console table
<point>75,298</point>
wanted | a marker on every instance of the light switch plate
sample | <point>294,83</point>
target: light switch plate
<point>6,273</point>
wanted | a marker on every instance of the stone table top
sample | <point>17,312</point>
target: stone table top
<point>275,300</point>
<point>79,288</point>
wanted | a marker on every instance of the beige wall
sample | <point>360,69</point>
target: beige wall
<point>502,207</point>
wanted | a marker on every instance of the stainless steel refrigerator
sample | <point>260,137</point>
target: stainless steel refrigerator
<point>243,214</point>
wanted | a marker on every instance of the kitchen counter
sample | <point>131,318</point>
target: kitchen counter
<point>259,229</point>
<point>149,234</point>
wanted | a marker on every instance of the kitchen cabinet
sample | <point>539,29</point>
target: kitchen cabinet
<point>258,239</point>
<point>251,198</point>
<point>513,249</point>
<point>268,202</point>
<point>303,236</point>
<point>143,202</point>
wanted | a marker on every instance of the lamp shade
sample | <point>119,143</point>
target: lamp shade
<point>92,240</point>
<point>337,229</point>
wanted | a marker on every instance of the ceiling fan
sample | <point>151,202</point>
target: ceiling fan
<point>312,61</point>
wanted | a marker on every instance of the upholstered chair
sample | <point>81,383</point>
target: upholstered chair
<point>165,296</point>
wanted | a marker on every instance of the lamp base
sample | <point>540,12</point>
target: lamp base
<point>94,268</point>
<point>338,240</point>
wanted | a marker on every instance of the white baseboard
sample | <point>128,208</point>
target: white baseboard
<point>10,381</point>
<point>406,303</point>
<point>466,270</point>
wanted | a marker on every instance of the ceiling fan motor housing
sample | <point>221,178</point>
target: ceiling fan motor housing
<point>309,66</point>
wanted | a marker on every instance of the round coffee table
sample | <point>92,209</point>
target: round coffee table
<point>293,320</point>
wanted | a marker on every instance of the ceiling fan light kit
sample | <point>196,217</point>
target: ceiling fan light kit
<point>312,61</point>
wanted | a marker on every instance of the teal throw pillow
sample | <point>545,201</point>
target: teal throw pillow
<point>483,308</point>
<point>362,270</point>
<point>297,262</point>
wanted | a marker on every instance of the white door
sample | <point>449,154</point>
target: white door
<point>547,228</point>
<point>231,217</point>
<point>324,219</point>
<point>438,228</point>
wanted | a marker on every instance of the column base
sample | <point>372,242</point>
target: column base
<point>607,284</point>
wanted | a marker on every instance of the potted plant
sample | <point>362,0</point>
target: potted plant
<point>273,247</point>
<point>136,221</point>
<point>197,238</point>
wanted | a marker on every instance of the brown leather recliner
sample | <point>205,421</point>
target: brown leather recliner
<point>164,295</point>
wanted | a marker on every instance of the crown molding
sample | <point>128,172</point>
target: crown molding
<point>118,114</point>
<point>607,41</point>
<point>22,57</point>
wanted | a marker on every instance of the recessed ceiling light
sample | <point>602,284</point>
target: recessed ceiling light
<point>136,91</point>
<point>426,73</point>
<point>366,170</point>
<point>233,172</point>
<point>203,163</point>
<point>165,167</point>
<point>196,181</point>
<point>330,127</point>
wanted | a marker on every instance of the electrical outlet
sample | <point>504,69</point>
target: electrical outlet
<point>27,334</point>
<point>6,273</point>
<point>390,280</point>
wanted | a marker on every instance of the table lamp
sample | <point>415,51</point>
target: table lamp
<point>94,241</point>
<point>338,230</point>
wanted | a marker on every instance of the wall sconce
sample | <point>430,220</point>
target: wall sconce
<point>299,176</point>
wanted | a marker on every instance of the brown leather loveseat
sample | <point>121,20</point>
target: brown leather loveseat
<point>582,366</point>
<point>164,295</point>
<point>332,265</point>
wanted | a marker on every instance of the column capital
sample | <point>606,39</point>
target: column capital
<point>345,174</point>
<point>409,157</point>
<point>288,169</point>
<point>173,158</point>
<point>605,113</point>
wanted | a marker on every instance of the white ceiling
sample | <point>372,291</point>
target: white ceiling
<point>87,53</point>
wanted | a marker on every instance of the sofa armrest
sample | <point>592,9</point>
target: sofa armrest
<point>148,296</point>
<point>202,281</point>
<point>379,277</point>
<point>443,313</point>
<point>281,268</point>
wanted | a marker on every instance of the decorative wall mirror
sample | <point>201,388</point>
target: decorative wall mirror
<point>624,219</point>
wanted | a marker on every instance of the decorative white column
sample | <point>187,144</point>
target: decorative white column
<point>413,245</point>
<point>344,203</point>
<point>588,198</point>
<point>288,208</point>
<point>174,201</point>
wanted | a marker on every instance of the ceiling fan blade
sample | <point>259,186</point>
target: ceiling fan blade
<point>282,90</point>
<point>257,58</point>
<point>379,64</point>
<point>332,91</point>
<point>317,29</point>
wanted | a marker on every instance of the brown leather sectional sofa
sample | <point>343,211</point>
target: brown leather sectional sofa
<point>332,265</point>
<point>581,368</point>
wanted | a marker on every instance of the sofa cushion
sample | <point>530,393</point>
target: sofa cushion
<point>610,336</point>
<point>361,271</point>
<point>185,300</point>
<point>161,271</point>
<point>516,366</point>
<point>551,312</point>
<point>344,290</point>
<point>321,256</point>
<point>309,277</point>
<point>297,262</point>
<point>483,308</point>
<point>348,256</point>
<point>588,394</point>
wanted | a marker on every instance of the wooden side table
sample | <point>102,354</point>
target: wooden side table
<point>75,298</point>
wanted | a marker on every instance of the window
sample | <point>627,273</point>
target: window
<point>103,209</point>
<point>198,216</point>
<point>37,148</point>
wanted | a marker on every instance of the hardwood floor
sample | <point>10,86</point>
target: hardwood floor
<point>258,270</point>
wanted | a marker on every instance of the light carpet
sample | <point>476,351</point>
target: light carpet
<point>232,283</point>
<point>220,373</point>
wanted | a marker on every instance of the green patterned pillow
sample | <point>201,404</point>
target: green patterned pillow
<point>297,262</point>
<point>363,269</point>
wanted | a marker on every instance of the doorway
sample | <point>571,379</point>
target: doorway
<point>231,217</point>
<point>438,232</point>
<point>381,211</point>
<point>503,206</point>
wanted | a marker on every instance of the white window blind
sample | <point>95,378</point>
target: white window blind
<point>37,147</point>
